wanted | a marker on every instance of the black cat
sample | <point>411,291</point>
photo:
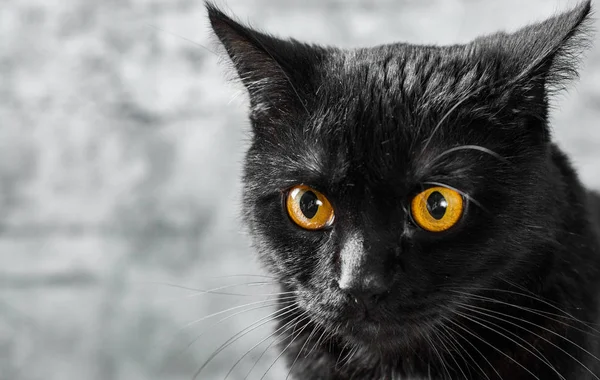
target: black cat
<point>412,201</point>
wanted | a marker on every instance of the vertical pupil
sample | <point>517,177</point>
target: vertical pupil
<point>309,204</point>
<point>437,205</point>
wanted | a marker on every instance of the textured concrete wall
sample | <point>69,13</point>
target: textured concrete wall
<point>120,150</point>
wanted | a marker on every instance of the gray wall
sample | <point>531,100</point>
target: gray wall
<point>120,150</point>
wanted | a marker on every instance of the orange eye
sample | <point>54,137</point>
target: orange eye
<point>308,208</point>
<point>437,209</point>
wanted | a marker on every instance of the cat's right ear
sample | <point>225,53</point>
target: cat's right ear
<point>277,73</point>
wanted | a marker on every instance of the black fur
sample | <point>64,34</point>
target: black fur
<point>509,293</point>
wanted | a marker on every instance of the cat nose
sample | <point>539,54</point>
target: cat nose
<point>364,272</point>
<point>368,291</point>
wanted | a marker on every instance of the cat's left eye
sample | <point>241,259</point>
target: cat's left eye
<point>437,209</point>
<point>308,208</point>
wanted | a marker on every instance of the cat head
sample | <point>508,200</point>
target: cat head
<point>379,180</point>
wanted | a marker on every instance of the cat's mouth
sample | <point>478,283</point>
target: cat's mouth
<point>380,325</point>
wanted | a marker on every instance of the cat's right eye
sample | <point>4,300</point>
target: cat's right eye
<point>308,208</point>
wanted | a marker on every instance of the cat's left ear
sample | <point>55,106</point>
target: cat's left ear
<point>546,55</point>
<point>277,73</point>
<point>533,63</point>
<point>552,49</point>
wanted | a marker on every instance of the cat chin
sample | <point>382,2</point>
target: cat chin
<point>383,338</point>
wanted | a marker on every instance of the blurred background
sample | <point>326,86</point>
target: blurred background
<point>120,149</point>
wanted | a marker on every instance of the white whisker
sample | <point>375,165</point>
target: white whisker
<point>294,337</point>
<point>489,313</point>
<point>261,322</point>
<point>486,324</point>
<point>258,344</point>
<point>476,349</point>
<point>492,346</point>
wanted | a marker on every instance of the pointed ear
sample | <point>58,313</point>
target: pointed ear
<point>277,73</point>
<point>530,65</point>
<point>550,51</point>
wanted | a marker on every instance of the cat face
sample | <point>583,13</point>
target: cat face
<point>382,182</point>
